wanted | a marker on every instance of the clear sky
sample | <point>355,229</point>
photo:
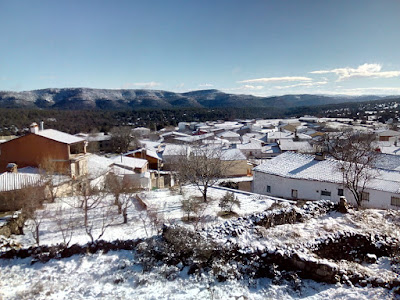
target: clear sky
<point>266,47</point>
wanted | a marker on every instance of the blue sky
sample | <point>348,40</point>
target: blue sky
<point>250,47</point>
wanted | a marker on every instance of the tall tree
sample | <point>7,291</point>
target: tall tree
<point>98,212</point>
<point>200,166</point>
<point>356,157</point>
<point>122,191</point>
<point>121,139</point>
<point>33,208</point>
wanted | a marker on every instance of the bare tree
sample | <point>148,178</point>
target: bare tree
<point>122,191</point>
<point>98,213</point>
<point>121,139</point>
<point>156,221</point>
<point>93,145</point>
<point>201,166</point>
<point>33,209</point>
<point>356,157</point>
<point>52,176</point>
<point>66,223</point>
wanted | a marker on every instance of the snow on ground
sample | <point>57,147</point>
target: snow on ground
<point>116,275</point>
<point>166,203</point>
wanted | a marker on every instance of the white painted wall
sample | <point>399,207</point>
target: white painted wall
<point>311,190</point>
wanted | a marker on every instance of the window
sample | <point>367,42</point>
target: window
<point>294,194</point>
<point>325,193</point>
<point>364,196</point>
<point>340,192</point>
<point>268,189</point>
<point>395,201</point>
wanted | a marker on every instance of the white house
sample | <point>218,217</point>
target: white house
<point>251,149</point>
<point>295,146</point>
<point>231,136</point>
<point>273,137</point>
<point>235,162</point>
<point>172,153</point>
<point>301,176</point>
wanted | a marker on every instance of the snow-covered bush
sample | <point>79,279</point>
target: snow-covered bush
<point>228,201</point>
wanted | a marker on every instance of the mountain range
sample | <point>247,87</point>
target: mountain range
<point>88,98</point>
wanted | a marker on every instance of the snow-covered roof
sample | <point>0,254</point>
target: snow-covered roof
<point>174,133</point>
<point>149,152</point>
<point>290,145</point>
<point>228,125</point>
<point>194,138</point>
<point>16,181</point>
<point>149,144</point>
<point>280,135</point>
<point>98,165</point>
<point>247,137</point>
<point>129,162</point>
<point>304,166</point>
<point>121,171</point>
<point>228,134</point>
<point>388,162</point>
<point>59,136</point>
<point>232,154</point>
<point>303,136</point>
<point>393,150</point>
<point>271,149</point>
<point>253,145</point>
<point>387,133</point>
<point>171,149</point>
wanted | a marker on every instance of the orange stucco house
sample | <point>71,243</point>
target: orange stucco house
<point>67,153</point>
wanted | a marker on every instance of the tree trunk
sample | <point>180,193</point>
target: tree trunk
<point>205,193</point>
<point>125,215</point>
<point>86,212</point>
<point>37,238</point>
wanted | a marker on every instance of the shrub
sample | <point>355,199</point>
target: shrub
<point>228,201</point>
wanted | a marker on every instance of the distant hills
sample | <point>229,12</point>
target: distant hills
<point>87,98</point>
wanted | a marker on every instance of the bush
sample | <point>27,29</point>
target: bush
<point>228,201</point>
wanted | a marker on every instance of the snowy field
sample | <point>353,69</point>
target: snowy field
<point>166,204</point>
<point>119,274</point>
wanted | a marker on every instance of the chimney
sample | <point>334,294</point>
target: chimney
<point>34,128</point>
<point>319,156</point>
<point>41,126</point>
<point>12,168</point>
<point>144,153</point>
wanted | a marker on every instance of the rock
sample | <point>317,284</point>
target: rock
<point>370,258</point>
<point>13,226</point>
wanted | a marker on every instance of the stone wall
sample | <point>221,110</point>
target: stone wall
<point>13,226</point>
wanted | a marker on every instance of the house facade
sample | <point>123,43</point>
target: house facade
<point>152,157</point>
<point>67,153</point>
<point>235,163</point>
<point>302,177</point>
